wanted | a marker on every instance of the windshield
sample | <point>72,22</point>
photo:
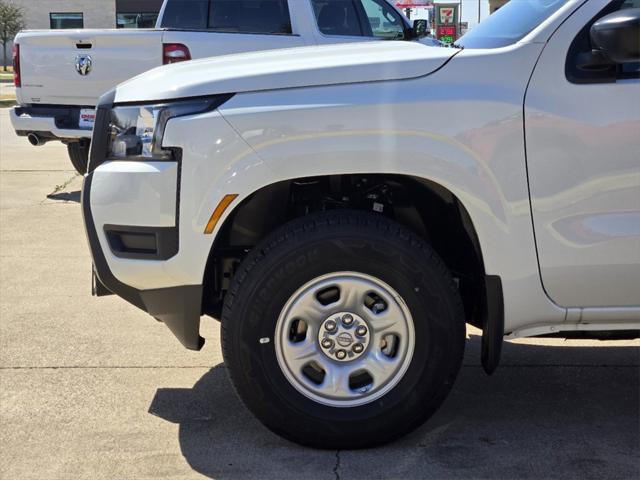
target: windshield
<point>510,23</point>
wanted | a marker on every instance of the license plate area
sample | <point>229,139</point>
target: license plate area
<point>87,118</point>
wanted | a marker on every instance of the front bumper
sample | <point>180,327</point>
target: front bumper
<point>179,307</point>
<point>54,122</point>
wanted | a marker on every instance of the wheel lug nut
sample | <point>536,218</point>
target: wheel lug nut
<point>378,307</point>
<point>341,354</point>
<point>330,326</point>
<point>361,331</point>
<point>347,320</point>
<point>326,343</point>
<point>357,348</point>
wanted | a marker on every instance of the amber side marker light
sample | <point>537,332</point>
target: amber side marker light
<point>219,211</point>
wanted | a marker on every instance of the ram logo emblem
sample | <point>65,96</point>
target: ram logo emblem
<point>84,64</point>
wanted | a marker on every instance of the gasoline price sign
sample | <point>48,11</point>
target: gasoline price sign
<point>446,33</point>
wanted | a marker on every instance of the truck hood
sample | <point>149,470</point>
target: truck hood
<point>287,68</point>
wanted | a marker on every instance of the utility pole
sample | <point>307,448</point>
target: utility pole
<point>479,10</point>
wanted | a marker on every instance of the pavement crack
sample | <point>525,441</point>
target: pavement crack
<point>59,188</point>
<point>336,467</point>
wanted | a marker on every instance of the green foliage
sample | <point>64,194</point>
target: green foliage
<point>11,22</point>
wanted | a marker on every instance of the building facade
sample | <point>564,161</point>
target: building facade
<point>61,14</point>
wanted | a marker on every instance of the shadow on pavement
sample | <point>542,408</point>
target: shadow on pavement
<point>548,412</point>
<point>65,196</point>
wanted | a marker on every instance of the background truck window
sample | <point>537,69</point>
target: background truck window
<point>136,20</point>
<point>186,14</point>
<point>337,17</point>
<point>250,16</point>
<point>384,20</point>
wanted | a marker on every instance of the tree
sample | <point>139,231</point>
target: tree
<point>11,22</point>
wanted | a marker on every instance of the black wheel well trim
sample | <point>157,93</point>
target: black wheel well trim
<point>493,327</point>
<point>490,315</point>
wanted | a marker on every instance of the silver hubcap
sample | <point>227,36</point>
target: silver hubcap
<point>344,339</point>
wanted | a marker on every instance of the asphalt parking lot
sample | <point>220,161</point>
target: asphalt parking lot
<point>93,388</point>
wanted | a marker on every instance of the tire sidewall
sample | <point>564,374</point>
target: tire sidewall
<point>79,156</point>
<point>304,257</point>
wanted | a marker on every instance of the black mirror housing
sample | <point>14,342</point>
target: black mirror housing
<point>617,36</point>
<point>420,28</point>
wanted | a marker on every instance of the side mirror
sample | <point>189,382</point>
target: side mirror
<point>617,36</point>
<point>420,28</point>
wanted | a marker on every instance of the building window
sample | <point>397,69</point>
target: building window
<point>136,20</point>
<point>59,21</point>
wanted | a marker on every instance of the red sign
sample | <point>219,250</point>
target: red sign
<point>413,3</point>
<point>446,33</point>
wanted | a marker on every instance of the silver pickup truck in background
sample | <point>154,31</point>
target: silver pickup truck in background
<point>60,75</point>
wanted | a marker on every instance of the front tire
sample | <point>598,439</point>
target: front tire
<point>79,155</point>
<point>307,295</point>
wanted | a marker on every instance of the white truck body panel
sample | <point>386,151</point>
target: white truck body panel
<point>349,129</point>
<point>584,167</point>
<point>360,108</point>
<point>48,63</point>
<point>288,68</point>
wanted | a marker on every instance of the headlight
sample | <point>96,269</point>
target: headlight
<point>136,132</point>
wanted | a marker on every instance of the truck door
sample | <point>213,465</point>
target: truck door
<point>582,125</point>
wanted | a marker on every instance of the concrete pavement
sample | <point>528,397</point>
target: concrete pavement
<point>93,388</point>
<point>7,90</point>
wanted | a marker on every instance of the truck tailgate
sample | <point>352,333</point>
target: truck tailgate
<point>51,63</point>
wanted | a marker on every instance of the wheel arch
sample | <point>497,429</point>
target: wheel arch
<point>426,207</point>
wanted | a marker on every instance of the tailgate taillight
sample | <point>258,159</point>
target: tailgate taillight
<point>17,81</point>
<point>174,53</point>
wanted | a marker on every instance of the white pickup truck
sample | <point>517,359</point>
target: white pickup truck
<point>344,237</point>
<point>59,76</point>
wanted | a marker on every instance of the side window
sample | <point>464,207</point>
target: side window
<point>250,16</point>
<point>383,20</point>
<point>186,14</point>
<point>337,17</point>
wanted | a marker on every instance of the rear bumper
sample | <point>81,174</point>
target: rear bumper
<point>52,122</point>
